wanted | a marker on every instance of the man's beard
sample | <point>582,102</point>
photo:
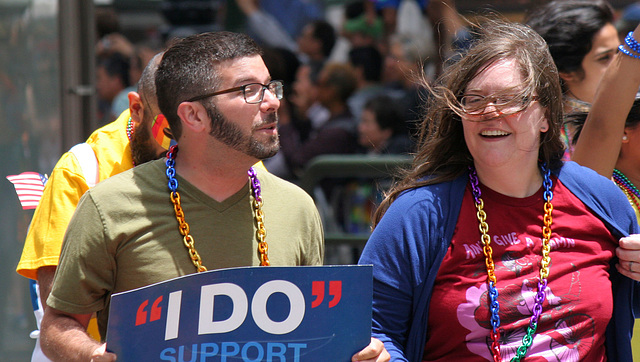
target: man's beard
<point>142,149</point>
<point>231,135</point>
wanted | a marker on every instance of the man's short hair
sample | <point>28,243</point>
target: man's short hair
<point>189,68</point>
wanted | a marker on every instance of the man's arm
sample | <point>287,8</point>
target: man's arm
<point>45,281</point>
<point>63,337</point>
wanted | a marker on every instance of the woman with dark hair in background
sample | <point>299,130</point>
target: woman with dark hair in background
<point>582,40</point>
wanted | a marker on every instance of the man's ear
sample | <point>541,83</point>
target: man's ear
<point>136,109</point>
<point>193,116</point>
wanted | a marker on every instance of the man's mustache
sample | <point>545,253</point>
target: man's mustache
<point>271,118</point>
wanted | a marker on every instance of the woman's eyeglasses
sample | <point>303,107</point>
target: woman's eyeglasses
<point>476,105</point>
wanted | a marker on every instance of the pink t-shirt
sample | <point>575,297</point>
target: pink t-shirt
<point>578,303</point>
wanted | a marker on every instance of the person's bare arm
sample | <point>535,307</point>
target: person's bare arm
<point>45,281</point>
<point>599,143</point>
<point>63,337</point>
<point>446,21</point>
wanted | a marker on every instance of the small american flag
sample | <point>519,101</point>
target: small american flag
<point>29,187</point>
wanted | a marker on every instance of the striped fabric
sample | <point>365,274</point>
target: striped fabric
<point>29,187</point>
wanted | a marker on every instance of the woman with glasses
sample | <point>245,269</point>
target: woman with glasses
<point>490,247</point>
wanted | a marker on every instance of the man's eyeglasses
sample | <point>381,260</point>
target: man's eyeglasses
<point>475,104</point>
<point>253,92</point>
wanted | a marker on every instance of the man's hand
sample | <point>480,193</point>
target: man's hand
<point>374,352</point>
<point>101,354</point>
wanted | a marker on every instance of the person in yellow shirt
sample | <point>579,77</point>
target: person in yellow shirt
<point>137,136</point>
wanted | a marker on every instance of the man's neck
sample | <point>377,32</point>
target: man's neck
<point>218,177</point>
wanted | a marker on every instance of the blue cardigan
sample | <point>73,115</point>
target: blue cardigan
<point>409,243</point>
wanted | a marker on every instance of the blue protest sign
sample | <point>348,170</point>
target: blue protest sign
<point>278,314</point>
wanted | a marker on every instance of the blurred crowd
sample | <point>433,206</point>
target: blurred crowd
<point>351,70</point>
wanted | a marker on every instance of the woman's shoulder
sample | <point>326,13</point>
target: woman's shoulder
<point>574,175</point>
<point>600,194</point>
<point>437,195</point>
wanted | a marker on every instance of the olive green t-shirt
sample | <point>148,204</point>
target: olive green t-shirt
<point>124,235</point>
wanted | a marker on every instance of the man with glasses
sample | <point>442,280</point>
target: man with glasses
<point>221,105</point>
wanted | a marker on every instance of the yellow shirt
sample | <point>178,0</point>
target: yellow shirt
<point>63,191</point>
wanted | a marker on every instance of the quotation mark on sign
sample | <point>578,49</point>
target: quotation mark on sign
<point>335,290</point>
<point>156,311</point>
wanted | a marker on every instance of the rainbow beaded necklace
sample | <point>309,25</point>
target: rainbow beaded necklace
<point>130,129</point>
<point>130,133</point>
<point>629,189</point>
<point>494,305</point>
<point>183,227</point>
